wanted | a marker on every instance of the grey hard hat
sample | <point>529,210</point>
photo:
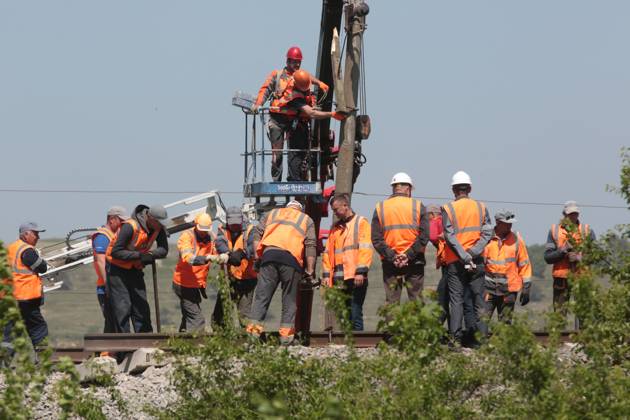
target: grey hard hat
<point>119,211</point>
<point>32,226</point>
<point>505,216</point>
<point>234,216</point>
<point>157,211</point>
<point>570,207</point>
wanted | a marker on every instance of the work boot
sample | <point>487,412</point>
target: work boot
<point>287,340</point>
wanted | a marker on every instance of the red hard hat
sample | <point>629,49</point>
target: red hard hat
<point>302,79</point>
<point>294,53</point>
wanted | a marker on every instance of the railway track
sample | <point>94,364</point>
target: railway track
<point>96,343</point>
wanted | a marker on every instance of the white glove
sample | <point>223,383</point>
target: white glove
<point>223,258</point>
<point>212,258</point>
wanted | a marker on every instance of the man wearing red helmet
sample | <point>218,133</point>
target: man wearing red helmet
<point>290,110</point>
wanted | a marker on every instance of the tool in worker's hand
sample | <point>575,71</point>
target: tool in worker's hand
<point>309,282</point>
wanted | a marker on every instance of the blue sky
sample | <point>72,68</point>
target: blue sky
<point>531,98</point>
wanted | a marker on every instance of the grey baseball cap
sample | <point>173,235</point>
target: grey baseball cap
<point>119,211</point>
<point>234,216</point>
<point>570,207</point>
<point>25,227</point>
<point>157,211</point>
<point>505,216</point>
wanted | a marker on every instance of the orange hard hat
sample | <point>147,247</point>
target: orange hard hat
<point>302,79</point>
<point>203,222</point>
<point>294,53</point>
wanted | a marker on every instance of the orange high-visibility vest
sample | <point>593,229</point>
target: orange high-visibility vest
<point>562,268</point>
<point>399,218</point>
<point>26,283</point>
<point>285,229</point>
<point>508,262</point>
<point>466,216</point>
<point>349,247</point>
<point>186,274</point>
<point>100,281</point>
<point>246,269</point>
<point>139,242</point>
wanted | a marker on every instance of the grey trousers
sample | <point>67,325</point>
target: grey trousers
<point>127,295</point>
<point>269,276</point>
<point>464,286</point>
<point>411,277</point>
<point>190,305</point>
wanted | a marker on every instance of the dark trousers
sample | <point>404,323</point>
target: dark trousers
<point>33,320</point>
<point>561,295</point>
<point>354,301</point>
<point>127,294</point>
<point>464,286</point>
<point>442,296</point>
<point>503,304</point>
<point>297,133</point>
<point>241,293</point>
<point>103,302</point>
<point>411,277</point>
<point>190,305</point>
<point>271,274</point>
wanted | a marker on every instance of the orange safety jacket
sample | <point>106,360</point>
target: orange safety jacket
<point>507,262</point>
<point>283,93</point>
<point>26,283</point>
<point>562,268</point>
<point>348,250</point>
<point>140,241</point>
<point>186,274</point>
<point>246,269</point>
<point>399,217</point>
<point>466,216</point>
<point>285,229</point>
<point>104,230</point>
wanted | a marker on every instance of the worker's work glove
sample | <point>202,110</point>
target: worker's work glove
<point>223,258</point>
<point>212,258</point>
<point>309,281</point>
<point>339,116</point>
<point>236,257</point>
<point>323,86</point>
<point>254,109</point>
<point>566,248</point>
<point>525,294</point>
<point>202,290</point>
<point>147,258</point>
<point>574,256</point>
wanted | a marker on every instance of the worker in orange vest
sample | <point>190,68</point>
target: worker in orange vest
<point>348,256</point>
<point>116,215</point>
<point>560,252</point>
<point>508,269</point>
<point>467,230</point>
<point>26,266</point>
<point>400,233</point>
<point>196,251</point>
<point>286,248</point>
<point>291,108</point>
<point>128,253</point>
<point>236,240</point>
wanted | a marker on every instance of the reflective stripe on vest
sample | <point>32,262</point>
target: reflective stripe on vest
<point>466,224</point>
<point>26,283</point>
<point>139,242</point>
<point>285,229</point>
<point>186,274</point>
<point>104,230</point>
<point>399,217</point>
<point>562,268</point>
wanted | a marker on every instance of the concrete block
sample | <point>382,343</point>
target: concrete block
<point>98,366</point>
<point>141,359</point>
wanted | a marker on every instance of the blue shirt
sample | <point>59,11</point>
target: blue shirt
<point>100,243</point>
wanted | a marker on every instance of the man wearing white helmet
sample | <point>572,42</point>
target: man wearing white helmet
<point>400,232</point>
<point>467,230</point>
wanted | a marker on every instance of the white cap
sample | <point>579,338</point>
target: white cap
<point>570,207</point>
<point>401,178</point>
<point>461,177</point>
<point>295,204</point>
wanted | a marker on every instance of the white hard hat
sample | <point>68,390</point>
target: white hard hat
<point>461,177</point>
<point>401,178</point>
